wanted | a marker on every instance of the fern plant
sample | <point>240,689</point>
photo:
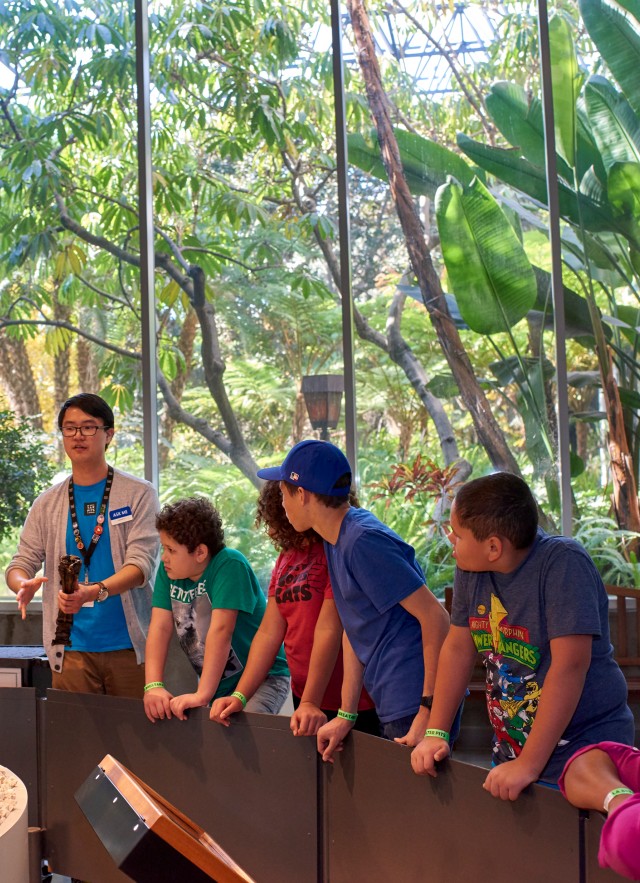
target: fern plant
<point>609,547</point>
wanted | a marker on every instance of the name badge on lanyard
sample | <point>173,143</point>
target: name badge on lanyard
<point>119,516</point>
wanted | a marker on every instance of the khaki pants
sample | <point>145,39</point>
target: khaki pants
<point>114,673</point>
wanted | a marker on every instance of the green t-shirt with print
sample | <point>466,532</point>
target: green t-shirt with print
<point>228,583</point>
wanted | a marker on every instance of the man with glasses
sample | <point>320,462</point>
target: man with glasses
<point>106,518</point>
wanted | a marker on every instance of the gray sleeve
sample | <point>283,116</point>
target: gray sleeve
<point>31,545</point>
<point>142,541</point>
<point>460,600</point>
<point>573,592</point>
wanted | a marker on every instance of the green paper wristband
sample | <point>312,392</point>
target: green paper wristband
<point>347,716</point>
<point>152,686</point>
<point>439,734</point>
<point>615,793</point>
<point>241,697</point>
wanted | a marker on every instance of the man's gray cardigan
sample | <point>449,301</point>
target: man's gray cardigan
<point>43,540</point>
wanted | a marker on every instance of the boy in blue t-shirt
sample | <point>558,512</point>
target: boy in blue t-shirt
<point>393,625</point>
<point>213,598</point>
<point>535,608</point>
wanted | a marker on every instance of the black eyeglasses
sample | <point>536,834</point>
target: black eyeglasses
<point>85,431</point>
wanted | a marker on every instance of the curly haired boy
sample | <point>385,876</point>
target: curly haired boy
<point>210,594</point>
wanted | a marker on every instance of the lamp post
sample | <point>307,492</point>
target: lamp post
<point>323,398</point>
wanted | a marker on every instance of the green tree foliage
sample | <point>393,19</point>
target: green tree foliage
<point>24,470</point>
<point>227,108</point>
<point>244,198</point>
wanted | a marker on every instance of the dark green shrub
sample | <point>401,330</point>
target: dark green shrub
<point>24,469</point>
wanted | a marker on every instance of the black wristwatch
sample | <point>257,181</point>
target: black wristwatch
<point>426,701</point>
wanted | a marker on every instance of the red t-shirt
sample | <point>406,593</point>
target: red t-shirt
<point>299,585</point>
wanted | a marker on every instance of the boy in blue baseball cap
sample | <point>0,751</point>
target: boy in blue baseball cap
<point>393,625</point>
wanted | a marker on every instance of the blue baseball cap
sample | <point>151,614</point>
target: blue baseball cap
<point>313,465</point>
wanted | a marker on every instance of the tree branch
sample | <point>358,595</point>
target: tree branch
<point>129,354</point>
<point>105,294</point>
<point>5,113</point>
<point>486,426</point>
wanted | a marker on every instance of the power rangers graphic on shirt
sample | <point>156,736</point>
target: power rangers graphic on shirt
<point>511,663</point>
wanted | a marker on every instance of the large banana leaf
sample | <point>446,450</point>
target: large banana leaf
<point>566,80</point>
<point>617,38</point>
<point>606,251</point>
<point>520,121</point>
<point>592,187</point>
<point>529,376</point>
<point>490,273</point>
<point>604,256</point>
<point>632,6</point>
<point>623,187</point>
<point>507,166</point>
<point>576,311</point>
<point>627,321</point>
<point>615,126</point>
<point>425,163</point>
<point>588,155</point>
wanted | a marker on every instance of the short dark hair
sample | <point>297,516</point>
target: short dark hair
<point>91,404</point>
<point>498,505</point>
<point>192,521</point>
<point>331,501</point>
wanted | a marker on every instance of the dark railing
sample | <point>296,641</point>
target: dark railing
<point>277,810</point>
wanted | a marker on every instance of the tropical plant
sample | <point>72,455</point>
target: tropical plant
<point>422,481</point>
<point>611,550</point>
<point>483,231</point>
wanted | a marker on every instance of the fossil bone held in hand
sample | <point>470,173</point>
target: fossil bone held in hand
<point>68,568</point>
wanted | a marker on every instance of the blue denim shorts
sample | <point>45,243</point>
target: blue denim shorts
<point>270,695</point>
<point>400,727</point>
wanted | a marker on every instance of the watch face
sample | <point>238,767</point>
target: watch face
<point>426,701</point>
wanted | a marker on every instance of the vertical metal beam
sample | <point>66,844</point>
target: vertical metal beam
<point>342,165</point>
<point>557,290</point>
<point>147,259</point>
